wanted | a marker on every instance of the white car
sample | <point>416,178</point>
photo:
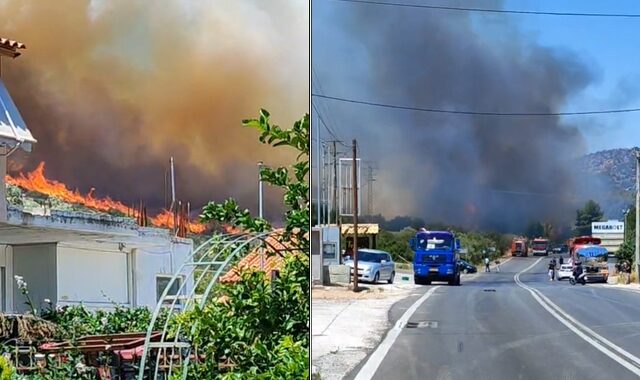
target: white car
<point>374,265</point>
<point>565,271</point>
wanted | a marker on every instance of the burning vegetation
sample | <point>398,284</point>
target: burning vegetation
<point>36,182</point>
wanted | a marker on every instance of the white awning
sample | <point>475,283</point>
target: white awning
<point>12,127</point>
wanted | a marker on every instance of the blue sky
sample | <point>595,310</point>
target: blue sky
<point>607,46</point>
<point>610,46</point>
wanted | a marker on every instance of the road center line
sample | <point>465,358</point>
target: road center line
<point>371,366</point>
<point>629,361</point>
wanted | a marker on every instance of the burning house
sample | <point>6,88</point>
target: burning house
<point>80,254</point>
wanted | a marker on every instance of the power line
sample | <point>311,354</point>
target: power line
<point>327,127</point>
<point>323,122</point>
<point>481,113</point>
<point>488,10</point>
<point>321,91</point>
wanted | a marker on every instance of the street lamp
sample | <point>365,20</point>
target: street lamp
<point>260,165</point>
<point>626,226</point>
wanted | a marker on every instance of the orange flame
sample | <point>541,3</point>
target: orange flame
<point>229,229</point>
<point>165,219</point>
<point>36,181</point>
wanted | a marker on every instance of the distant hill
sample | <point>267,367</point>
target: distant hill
<point>617,165</point>
<point>616,171</point>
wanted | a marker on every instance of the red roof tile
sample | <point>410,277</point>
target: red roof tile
<point>266,258</point>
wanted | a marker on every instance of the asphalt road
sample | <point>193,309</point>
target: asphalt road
<point>511,325</point>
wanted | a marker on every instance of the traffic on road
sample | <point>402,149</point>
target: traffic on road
<point>512,324</point>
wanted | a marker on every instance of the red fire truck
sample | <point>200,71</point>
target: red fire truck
<point>540,246</point>
<point>519,247</point>
<point>579,242</point>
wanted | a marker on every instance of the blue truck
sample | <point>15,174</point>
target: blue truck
<point>436,257</point>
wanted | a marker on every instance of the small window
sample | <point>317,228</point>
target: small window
<point>329,250</point>
<point>162,281</point>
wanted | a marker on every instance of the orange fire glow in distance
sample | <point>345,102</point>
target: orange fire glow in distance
<point>36,181</point>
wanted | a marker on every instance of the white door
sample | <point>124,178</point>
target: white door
<point>384,268</point>
<point>389,265</point>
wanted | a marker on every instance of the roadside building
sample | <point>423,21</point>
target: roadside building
<point>611,233</point>
<point>72,257</point>
<point>367,236</point>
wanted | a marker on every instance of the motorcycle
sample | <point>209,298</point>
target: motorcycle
<point>580,279</point>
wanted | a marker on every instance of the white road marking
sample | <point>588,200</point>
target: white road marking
<point>614,287</point>
<point>627,360</point>
<point>371,366</point>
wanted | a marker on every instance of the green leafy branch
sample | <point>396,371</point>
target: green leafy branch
<point>294,180</point>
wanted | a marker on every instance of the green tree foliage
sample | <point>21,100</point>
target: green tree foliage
<point>630,222</point>
<point>7,371</point>
<point>480,245</point>
<point>534,230</point>
<point>294,180</point>
<point>78,321</point>
<point>626,252</point>
<point>261,327</point>
<point>397,244</point>
<point>547,230</point>
<point>591,212</point>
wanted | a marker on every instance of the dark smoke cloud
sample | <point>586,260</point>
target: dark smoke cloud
<point>111,90</point>
<point>476,171</point>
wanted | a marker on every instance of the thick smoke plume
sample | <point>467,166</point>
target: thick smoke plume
<point>475,171</point>
<point>112,89</point>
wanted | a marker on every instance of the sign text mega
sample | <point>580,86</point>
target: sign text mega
<point>610,227</point>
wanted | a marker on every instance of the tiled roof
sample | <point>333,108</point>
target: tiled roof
<point>11,44</point>
<point>266,258</point>
<point>363,229</point>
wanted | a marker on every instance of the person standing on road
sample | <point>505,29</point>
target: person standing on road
<point>486,265</point>
<point>497,265</point>
<point>561,260</point>
<point>552,270</point>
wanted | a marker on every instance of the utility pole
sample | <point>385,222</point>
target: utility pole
<point>637,152</point>
<point>173,185</point>
<point>335,182</point>
<point>335,200</point>
<point>173,197</point>
<point>626,223</point>
<point>318,165</point>
<point>260,164</point>
<point>370,191</point>
<point>323,183</point>
<point>355,216</point>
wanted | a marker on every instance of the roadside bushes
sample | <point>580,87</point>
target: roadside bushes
<point>77,321</point>
<point>479,245</point>
<point>397,244</point>
<point>255,328</point>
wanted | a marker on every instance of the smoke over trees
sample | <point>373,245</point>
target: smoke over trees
<point>470,170</point>
<point>111,90</point>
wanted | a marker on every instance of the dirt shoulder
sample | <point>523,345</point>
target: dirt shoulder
<point>346,325</point>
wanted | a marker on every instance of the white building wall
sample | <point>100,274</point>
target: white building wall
<point>37,265</point>
<point>93,274</point>
<point>151,262</point>
<point>79,271</point>
<point>610,232</point>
